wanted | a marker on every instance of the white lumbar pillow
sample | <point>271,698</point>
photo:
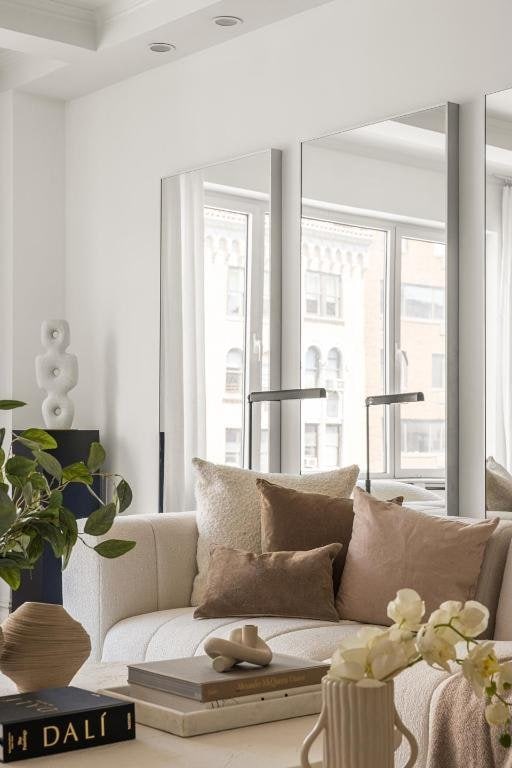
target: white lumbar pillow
<point>228,506</point>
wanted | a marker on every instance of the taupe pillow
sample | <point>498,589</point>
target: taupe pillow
<point>393,547</point>
<point>498,487</point>
<point>294,520</point>
<point>228,507</point>
<point>291,584</point>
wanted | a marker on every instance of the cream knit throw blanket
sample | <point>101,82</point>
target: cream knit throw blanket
<point>459,734</point>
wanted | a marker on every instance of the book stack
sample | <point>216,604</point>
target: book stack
<point>61,720</point>
<point>187,696</point>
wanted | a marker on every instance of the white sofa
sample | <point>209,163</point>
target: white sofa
<point>138,607</point>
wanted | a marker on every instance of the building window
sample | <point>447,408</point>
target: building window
<point>422,302</point>
<point>311,445</point>
<point>234,371</point>
<point>333,405</point>
<point>332,457</point>
<point>233,446</point>
<point>438,370</point>
<point>312,367</point>
<point>235,304</point>
<point>422,436</point>
<point>323,294</point>
<point>333,370</point>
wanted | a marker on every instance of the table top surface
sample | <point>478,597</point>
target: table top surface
<point>271,745</point>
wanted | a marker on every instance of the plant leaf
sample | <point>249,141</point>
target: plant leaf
<point>19,467</point>
<point>123,495</point>
<point>55,499</point>
<point>7,511</point>
<point>96,458</point>
<point>77,473</point>
<point>49,463</point>
<point>39,482</point>
<point>39,437</point>
<point>2,435</point>
<point>100,521</point>
<point>2,457</point>
<point>52,534</point>
<point>11,575</point>
<point>114,547</point>
<point>10,405</point>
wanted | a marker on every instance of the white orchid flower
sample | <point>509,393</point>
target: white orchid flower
<point>479,666</point>
<point>435,648</point>
<point>407,609</point>
<point>504,678</point>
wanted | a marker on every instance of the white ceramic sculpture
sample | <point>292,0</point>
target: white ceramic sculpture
<point>244,644</point>
<point>361,726</point>
<point>57,373</point>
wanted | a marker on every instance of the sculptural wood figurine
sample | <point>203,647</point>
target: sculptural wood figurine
<point>244,644</point>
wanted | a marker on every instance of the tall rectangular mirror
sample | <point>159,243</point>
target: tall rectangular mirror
<point>380,301</point>
<point>220,318</point>
<point>498,274</point>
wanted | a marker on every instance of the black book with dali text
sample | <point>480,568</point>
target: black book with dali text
<point>60,720</point>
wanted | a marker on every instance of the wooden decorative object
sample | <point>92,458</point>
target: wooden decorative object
<point>44,647</point>
<point>244,644</point>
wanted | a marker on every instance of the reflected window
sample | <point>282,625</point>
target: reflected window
<point>333,371</point>
<point>423,302</point>
<point>235,292</point>
<point>421,436</point>
<point>333,405</point>
<point>311,445</point>
<point>332,457</point>
<point>233,446</point>
<point>234,371</point>
<point>323,294</point>
<point>312,367</point>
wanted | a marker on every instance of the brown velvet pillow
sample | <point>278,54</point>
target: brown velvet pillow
<point>393,547</point>
<point>293,520</point>
<point>290,584</point>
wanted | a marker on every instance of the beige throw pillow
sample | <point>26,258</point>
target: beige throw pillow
<point>498,487</point>
<point>228,507</point>
<point>393,547</point>
<point>295,585</point>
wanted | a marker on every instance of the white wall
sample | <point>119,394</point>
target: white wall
<point>340,65</point>
<point>38,225</point>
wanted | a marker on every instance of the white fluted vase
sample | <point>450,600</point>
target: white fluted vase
<point>361,728</point>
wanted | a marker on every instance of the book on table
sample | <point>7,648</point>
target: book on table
<point>195,678</point>
<point>60,720</point>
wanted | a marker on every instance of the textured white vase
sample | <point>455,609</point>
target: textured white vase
<point>360,726</point>
<point>56,373</point>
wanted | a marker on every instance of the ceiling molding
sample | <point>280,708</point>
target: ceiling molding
<point>55,9</point>
<point>118,8</point>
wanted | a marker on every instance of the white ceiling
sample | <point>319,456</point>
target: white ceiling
<point>67,48</point>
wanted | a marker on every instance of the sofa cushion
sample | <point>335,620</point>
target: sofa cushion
<point>174,634</point>
<point>228,507</point>
<point>393,547</point>
<point>498,487</point>
<point>294,584</point>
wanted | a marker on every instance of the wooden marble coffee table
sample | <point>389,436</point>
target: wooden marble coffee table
<point>273,745</point>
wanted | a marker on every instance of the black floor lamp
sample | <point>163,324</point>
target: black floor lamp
<point>402,397</point>
<point>277,395</point>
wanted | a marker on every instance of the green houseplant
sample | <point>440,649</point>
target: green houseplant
<point>32,509</point>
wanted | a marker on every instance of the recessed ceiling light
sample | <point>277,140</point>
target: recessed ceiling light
<point>228,21</point>
<point>162,47</point>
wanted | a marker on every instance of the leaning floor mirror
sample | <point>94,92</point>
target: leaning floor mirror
<point>380,305</point>
<point>498,274</point>
<point>220,319</point>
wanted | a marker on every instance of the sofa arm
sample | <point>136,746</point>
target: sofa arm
<point>156,575</point>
